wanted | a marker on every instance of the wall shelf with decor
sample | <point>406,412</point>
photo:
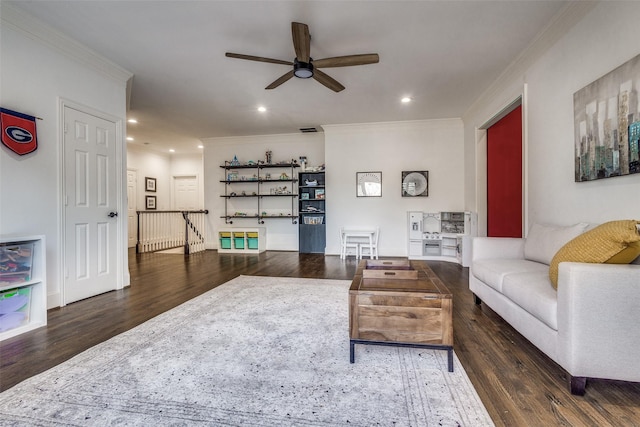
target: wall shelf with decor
<point>23,288</point>
<point>257,190</point>
<point>312,223</point>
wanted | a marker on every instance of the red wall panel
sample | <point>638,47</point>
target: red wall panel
<point>504,176</point>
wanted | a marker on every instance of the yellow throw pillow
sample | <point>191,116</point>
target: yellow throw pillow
<point>626,256</point>
<point>612,242</point>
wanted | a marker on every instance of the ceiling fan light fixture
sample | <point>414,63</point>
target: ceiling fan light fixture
<point>303,70</point>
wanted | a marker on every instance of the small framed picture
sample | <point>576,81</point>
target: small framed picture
<point>304,196</point>
<point>150,184</point>
<point>319,193</point>
<point>415,183</point>
<point>150,203</point>
<point>369,184</point>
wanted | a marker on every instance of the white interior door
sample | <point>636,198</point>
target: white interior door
<point>185,191</point>
<point>91,235</point>
<point>132,207</point>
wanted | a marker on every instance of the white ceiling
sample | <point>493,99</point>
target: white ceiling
<point>443,54</point>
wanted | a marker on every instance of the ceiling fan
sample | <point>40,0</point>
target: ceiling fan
<point>304,66</point>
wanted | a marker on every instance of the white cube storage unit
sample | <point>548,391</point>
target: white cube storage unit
<point>242,240</point>
<point>23,289</point>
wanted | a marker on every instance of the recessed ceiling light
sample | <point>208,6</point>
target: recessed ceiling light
<point>171,150</point>
<point>129,138</point>
<point>200,146</point>
<point>132,121</point>
<point>262,109</point>
<point>405,100</point>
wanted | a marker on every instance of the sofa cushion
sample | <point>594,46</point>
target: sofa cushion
<point>543,241</point>
<point>493,271</point>
<point>533,292</point>
<point>598,245</point>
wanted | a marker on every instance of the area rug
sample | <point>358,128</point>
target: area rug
<point>255,351</point>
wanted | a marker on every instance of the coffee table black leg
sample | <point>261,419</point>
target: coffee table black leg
<point>402,344</point>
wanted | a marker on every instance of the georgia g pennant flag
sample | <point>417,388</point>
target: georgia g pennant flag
<point>18,131</point>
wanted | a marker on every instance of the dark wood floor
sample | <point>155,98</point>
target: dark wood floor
<point>517,383</point>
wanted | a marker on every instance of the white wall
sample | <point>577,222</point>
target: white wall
<point>149,163</point>
<point>189,165</point>
<point>601,41</point>
<point>163,167</point>
<point>432,145</point>
<point>34,79</point>
<point>282,234</point>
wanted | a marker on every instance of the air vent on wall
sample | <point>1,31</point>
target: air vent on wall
<point>308,130</point>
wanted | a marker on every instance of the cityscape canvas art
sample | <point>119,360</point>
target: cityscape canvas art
<point>607,124</point>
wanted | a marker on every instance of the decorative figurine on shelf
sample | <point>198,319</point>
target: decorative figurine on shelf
<point>303,163</point>
<point>235,161</point>
<point>267,176</point>
<point>251,163</point>
<point>284,175</point>
<point>244,193</point>
<point>267,155</point>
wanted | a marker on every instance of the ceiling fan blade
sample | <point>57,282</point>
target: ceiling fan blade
<point>328,81</point>
<point>301,40</point>
<point>280,80</point>
<point>347,61</point>
<point>257,58</point>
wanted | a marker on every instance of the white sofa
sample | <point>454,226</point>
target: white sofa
<point>590,326</point>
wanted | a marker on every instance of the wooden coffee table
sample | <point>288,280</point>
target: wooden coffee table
<point>400,303</point>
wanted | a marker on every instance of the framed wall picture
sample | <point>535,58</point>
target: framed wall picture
<point>150,204</point>
<point>607,125</point>
<point>369,184</point>
<point>415,183</point>
<point>150,184</point>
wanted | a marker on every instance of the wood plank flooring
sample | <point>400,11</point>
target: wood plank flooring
<point>518,384</point>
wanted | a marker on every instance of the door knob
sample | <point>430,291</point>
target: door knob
<point>112,214</point>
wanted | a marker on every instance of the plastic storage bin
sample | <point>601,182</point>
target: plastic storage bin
<point>225,240</point>
<point>15,263</point>
<point>14,308</point>
<point>238,239</point>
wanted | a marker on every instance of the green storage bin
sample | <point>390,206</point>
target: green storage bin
<point>252,242</point>
<point>238,242</point>
<point>225,243</point>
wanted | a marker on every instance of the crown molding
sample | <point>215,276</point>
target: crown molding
<point>20,21</point>
<point>569,16</point>
<point>397,126</point>
<point>281,138</point>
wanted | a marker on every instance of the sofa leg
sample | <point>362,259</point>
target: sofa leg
<point>577,385</point>
<point>477,300</point>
